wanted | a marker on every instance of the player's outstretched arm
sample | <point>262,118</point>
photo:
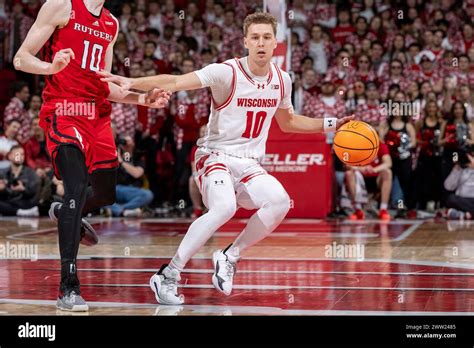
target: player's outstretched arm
<point>172,83</point>
<point>291,123</point>
<point>154,98</point>
<point>53,14</point>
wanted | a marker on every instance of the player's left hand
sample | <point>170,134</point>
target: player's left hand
<point>156,98</point>
<point>344,120</point>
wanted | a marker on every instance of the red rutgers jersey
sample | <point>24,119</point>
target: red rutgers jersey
<point>88,36</point>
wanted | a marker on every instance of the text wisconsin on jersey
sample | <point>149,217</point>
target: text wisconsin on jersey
<point>257,102</point>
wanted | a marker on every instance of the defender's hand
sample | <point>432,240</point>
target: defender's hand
<point>125,83</point>
<point>156,98</point>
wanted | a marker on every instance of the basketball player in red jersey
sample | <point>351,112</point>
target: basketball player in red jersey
<point>77,37</point>
<point>246,94</point>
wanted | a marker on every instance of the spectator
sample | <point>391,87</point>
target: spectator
<point>190,114</point>
<point>466,40</point>
<point>310,82</point>
<point>125,16</point>
<point>426,70</point>
<point>17,27</point>
<point>130,197</point>
<point>461,180</point>
<point>428,169</point>
<point>18,186</point>
<point>436,46</point>
<point>464,74</point>
<point>395,76</point>
<point>8,140</point>
<point>154,16</point>
<point>376,176</point>
<point>307,63</point>
<point>328,104</point>
<point>376,55</point>
<point>400,136</point>
<point>37,158</point>
<point>36,152</point>
<point>456,136</point>
<point>364,70</point>
<point>35,106</point>
<point>370,111</point>
<point>361,32</point>
<point>298,95</point>
<point>319,49</point>
<point>355,97</point>
<point>343,28</point>
<point>343,73</point>
<point>16,109</point>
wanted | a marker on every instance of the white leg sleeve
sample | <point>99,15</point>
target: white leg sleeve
<point>266,194</point>
<point>219,197</point>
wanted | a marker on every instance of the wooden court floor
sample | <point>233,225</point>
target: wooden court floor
<point>306,267</point>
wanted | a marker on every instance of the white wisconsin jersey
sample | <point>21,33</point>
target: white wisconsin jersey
<point>239,126</point>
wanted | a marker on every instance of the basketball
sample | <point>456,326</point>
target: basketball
<point>356,143</point>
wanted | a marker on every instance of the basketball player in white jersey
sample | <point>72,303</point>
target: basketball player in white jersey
<point>246,94</point>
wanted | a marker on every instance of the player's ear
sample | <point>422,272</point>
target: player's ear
<point>245,42</point>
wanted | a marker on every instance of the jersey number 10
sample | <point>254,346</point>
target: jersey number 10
<point>255,123</point>
<point>96,54</point>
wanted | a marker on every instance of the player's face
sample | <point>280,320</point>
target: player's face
<point>260,41</point>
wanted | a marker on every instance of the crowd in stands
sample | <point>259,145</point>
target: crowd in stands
<point>369,58</point>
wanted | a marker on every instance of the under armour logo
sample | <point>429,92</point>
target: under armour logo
<point>329,123</point>
<point>219,182</point>
<point>260,86</point>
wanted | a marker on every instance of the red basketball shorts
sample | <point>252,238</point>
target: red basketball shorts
<point>90,132</point>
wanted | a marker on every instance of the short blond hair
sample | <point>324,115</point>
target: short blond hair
<point>260,18</point>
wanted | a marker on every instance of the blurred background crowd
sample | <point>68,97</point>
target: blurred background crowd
<point>347,57</point>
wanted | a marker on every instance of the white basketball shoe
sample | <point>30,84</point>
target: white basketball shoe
<point>165,286</point>
<point>224,270</point>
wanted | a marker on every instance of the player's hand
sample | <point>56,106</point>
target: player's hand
<point>344,120</point>
<point>156,98</point>
<point>3,185</point>
<point>125,83</point>
<point>61,60</point>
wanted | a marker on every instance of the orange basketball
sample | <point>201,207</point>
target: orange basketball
<point>356,143</point>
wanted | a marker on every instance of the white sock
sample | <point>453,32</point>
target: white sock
<point>358,206</point>
<point>383,206</point>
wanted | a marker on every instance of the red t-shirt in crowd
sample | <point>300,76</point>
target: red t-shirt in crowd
<point>383,150</point>
<point>340,34</point>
